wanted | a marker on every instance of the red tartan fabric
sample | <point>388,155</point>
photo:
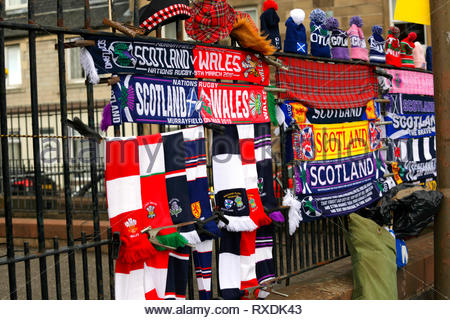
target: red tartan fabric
<point>326,85</point>
<point>210,21</point>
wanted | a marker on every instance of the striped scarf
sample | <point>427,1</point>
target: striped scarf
<point>237,257</point>
<point>180,211</point>
<point>194,142</point>
<point>265,269</point>
<point>136,195</point>
<point>188,183</point>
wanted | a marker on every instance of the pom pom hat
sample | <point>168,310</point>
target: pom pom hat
<point>295,40</point>
<point>210,21</point>
<point>376,45</point>
<point>161,12</point>
<point>338,40</point>
<point>358,48</point>
<point>269,23</point>
<point>407,47</point>
<point>319,34</point>
<point>393,47</point>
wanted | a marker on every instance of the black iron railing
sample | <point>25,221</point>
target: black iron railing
<point>42,176</point>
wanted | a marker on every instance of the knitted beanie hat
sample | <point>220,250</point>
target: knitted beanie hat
<point>394,31</point>
<point>318,16</point>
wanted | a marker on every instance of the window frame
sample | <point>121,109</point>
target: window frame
<point>71,80</point>
<point>394,22</point>
<point>10,7</point>
<point>17,85</point>
<point>254,7</point>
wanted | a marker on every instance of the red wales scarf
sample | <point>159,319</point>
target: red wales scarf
<point>136,195</point>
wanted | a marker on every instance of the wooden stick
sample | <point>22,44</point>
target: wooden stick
<point>116,25</point>
<point>276,63</point>
<point>270,89</point>
<point>383,123</point>
<point>382,100</point>
<point>77,43</point>
<point>110,81</point>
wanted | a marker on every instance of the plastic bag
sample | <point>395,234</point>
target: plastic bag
<point>414,212</point>
<point>411,207</point>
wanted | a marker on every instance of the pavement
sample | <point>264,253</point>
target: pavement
<point>65,284</point>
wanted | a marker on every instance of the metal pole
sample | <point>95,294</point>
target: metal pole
<point>36,150</point>
<point>440,32</point>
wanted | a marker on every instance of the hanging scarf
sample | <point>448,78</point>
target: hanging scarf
<point>417,150</point>
<point>237,264</point>
<point>142,99</point>
<point>229,180</point>
<point>334,141</point>
<point>411,82</point>
<point>322,86</point>
<point>296,112</point>
<point>194,142</point>
<point>265,269</point>
<point>180,211</point>
<point>174,59</point>
<point>314,177</point>
<point>136,195</point>
<point>247,148</point>
<point>339,203</point>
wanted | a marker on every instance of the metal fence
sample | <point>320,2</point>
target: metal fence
<point>44,176</point>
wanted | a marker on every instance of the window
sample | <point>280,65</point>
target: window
<point>15,152</point>
<point>14,66</point>
<point>169,31</point>
<point>15,4</point>
<point>75,72</point>
<point>407,27</point>
<point>253,13</point>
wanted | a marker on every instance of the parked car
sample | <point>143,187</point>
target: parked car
<point>24,185</point>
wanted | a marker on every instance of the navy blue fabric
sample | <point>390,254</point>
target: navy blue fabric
<point>289,148</point>
<point>429,58</point>
<point>376,48</point>
<point>265,269</point>
<point>319,41</point>
<point>338,203</point>
<point>202,261</point>
<point>264,167</point>
<point>177,274</point>
<point>230,243</point>
<point>177,187</point>
<point>269,26</point>
<point>199,188</point>
<point>328,176</point>
<point>295,40</point>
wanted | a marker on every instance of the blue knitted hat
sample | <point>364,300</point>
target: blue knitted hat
<point>377,29</point>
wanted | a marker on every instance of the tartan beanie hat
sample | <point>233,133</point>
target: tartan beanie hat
<point>161,12</point>
<point>210,20</point>
<point>394,31</point>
